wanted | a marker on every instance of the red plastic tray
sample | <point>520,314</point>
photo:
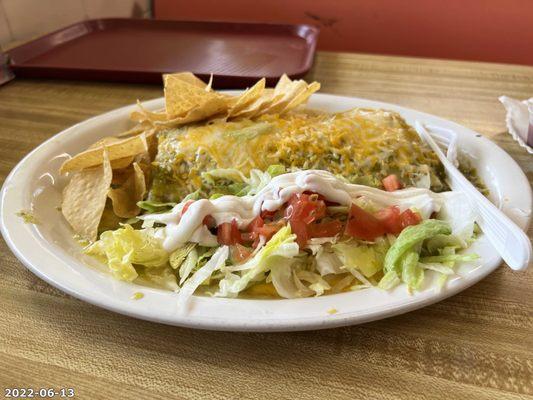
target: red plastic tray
<point>140,50</point>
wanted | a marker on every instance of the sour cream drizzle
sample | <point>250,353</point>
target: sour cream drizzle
<point>243,210</point>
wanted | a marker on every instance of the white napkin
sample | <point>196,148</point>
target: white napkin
<point>519,120</point>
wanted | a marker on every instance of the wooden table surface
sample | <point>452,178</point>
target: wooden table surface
<point>475,345</point>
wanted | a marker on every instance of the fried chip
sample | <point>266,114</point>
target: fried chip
<point>182,97</point>
<point>142,114</point>
<point>209,86</point>
<point>122,162</point>
<point>209,109</point>
<point>125,198</point>
<point>103,142</point>
<point>188,77</point>
<point>261,102</point>
<point>115,164</point>
<point>136,130</point>
<point>288,90</point>
<point>85,196</point>
<point>117,149</point>
<point>249,96</point>
<point>303,96</point>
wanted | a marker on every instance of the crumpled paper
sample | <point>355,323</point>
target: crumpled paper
<point>519,120</point>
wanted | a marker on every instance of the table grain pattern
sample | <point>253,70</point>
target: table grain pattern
<point>475,345</point>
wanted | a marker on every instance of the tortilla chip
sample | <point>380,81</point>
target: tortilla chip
<point>283,84</point>
<point>211,108</point>
<point>85,196</point>
<point>182,97</point>
<point>303,96</point>
<point>117,149</point>
<point>136,130</point>
<point>142,114</point>
<point>209,86</point>
<point>288,92</point>
<point>151,140</point>
<point>125,198</point>
<point>249,96</point>
<point>104,142</point>
<point>261,102</point>
<point>188,77</point>
<point>118,163</point>
<point>122,162</point>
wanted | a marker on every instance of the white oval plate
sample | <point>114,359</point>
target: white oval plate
<point>49,251</point>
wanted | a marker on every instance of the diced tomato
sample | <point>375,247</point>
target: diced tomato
<point>324,229</point>
<point>409,217</point>
<point>305,207</point>
<point>258,228</point>
<point>186,206</point>
<point>302,210</point>
<point>209,221</point>
<point>390,218</point>
<point>269,230</point>
<point>252,233</point>
<point>391,183</point>
<point>394,221</point>
<point>228,233</point>
<point>256,223</point>
<point>299,228</point>
<point>239,253</point>
<point>363,225</point>
<point>268,214</point>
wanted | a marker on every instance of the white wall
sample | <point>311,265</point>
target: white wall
<point>22,20</point>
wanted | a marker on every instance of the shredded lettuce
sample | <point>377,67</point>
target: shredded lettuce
<point>366,258</point>
<point>342,284</point>
<point>251,132</point>
<point>317,283</point>
<point>257,181</point>
<point>281,245</point>
<point>431,238</point>
<point>192,196</point>
<point>162,277</point>
<point>229,181</point>
<point>389,280</point>
<point>453,258</point>
<point>230,174</point>
<point>216,262</point>
<point>188,265</point>
<point>441,268</point>
<point>409,238</point>
<point>328,262</point>
<point>179,255</point>
<point>285,281</point>
<point>412,273</point>
<point>275,170</point>
<point>125,247</point>
<point>154,206</point>
<point>440,241</point>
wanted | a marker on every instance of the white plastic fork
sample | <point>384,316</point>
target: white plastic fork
<point>508,239</point>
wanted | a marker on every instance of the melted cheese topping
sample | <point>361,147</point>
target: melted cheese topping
<point>361,145</point>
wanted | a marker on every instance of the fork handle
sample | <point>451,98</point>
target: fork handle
<point>510,241</point>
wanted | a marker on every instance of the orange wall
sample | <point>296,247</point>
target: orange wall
<point>486,30</point>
